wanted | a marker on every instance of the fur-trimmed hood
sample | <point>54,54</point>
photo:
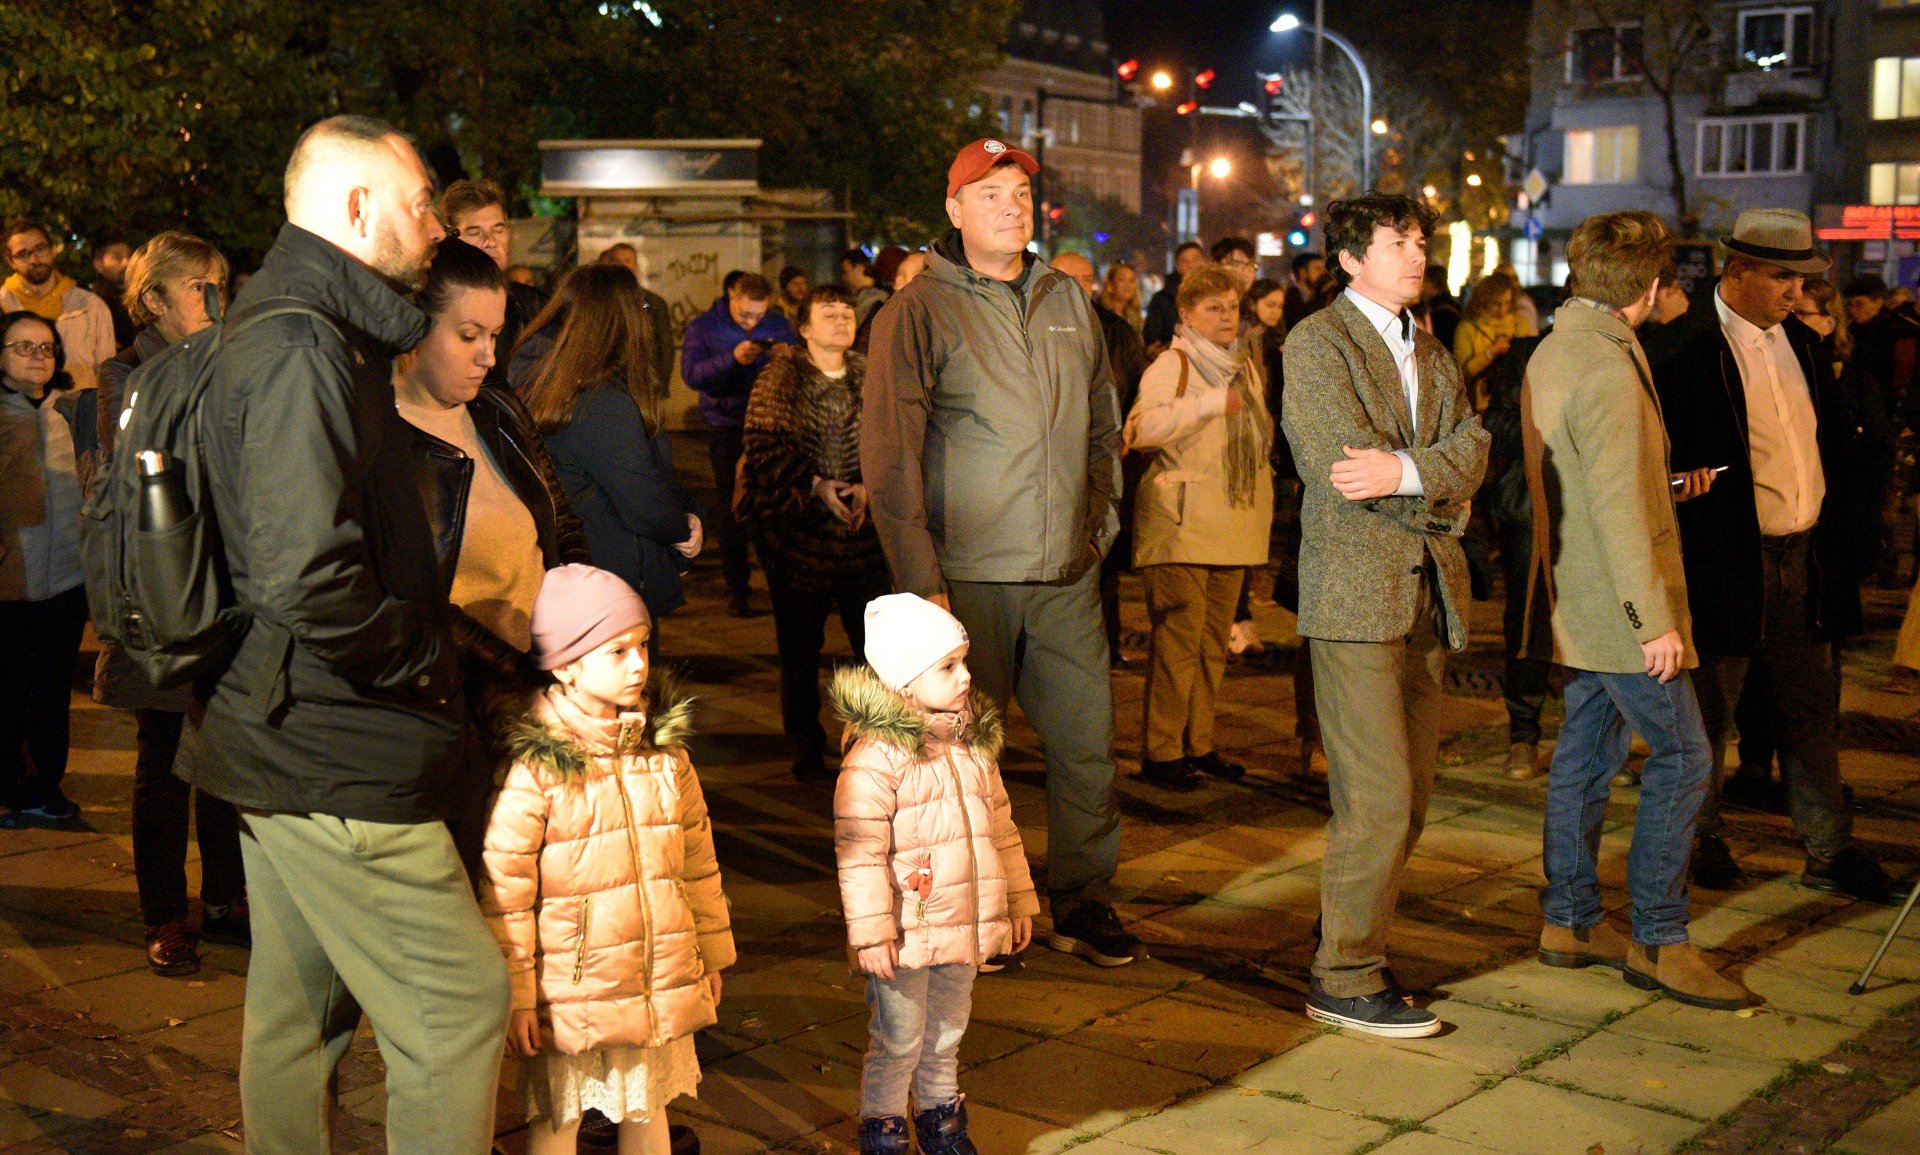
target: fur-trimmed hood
<point>559,737</point>
<point>871,710</point>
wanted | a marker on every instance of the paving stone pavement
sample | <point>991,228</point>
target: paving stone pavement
<point>1202,1048</point>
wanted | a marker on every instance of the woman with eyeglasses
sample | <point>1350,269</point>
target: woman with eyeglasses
<point>168,285</point>
<point>43,598</point>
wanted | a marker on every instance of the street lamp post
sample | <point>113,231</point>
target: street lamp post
<point>1287,23</point>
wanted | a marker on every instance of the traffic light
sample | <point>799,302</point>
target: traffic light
<point>1306,219</point>
<point>1274,85</point>
<point>1057,213</point>
<point>1187,107</point>
<point>1128,69</point>
<point>1203,80</point>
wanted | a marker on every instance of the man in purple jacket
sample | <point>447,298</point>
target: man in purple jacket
<point>721,355</point>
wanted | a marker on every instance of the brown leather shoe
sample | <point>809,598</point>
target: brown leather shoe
<point>1523,761</point>
<point>1596,945</point>
<point>1679,970</point>
<point>169,950</point>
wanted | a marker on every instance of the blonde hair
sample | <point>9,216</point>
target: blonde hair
<point>1821,292</point>
<point>1206,281</point>
<point>1614,257</point>
<point>166,257</point>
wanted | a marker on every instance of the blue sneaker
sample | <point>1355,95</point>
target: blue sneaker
<point>1385,1013</point>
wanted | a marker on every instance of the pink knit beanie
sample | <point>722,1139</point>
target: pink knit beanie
<point>578,609</point>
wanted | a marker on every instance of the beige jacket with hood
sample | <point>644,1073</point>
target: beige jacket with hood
<point>600,879</point>
<point>929,855</point>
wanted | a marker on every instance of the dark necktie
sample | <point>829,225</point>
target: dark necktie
<point>1406,326</point>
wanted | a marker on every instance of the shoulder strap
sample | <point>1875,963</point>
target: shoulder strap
<point>269,308</point>
<point>1180,390</point>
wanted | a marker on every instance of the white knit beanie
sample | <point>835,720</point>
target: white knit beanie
<point>907,635</point>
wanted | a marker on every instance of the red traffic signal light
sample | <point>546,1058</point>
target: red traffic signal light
<point>1187,107</point>
<point>1306,220</point>
<point>1274,86</point>
<point>1058,212</point>
<point>1129,69</point>
<point>1203,80</point>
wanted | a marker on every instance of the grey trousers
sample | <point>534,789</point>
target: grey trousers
<point>351,916</point>
<point>1379,706</point>
<point>1046,646</point>
<point>916,1020</point>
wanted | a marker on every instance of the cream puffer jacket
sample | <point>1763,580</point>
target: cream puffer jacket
<point>600,879</point>
<point>923,831</point>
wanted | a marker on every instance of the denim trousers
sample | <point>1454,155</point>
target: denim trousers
<point>916,1021</point>
<point>1603,713</point>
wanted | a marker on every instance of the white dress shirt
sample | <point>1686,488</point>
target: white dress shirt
<point>1396,329</point>
<point>1782,431</point>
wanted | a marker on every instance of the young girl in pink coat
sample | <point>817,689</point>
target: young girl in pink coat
<point>933,878</point>
<point>600,880</point>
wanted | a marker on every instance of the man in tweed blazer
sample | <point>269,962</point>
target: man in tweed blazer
<point>1390,453</point>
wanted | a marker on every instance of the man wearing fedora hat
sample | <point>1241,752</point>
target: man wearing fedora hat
<point>1772,578</point>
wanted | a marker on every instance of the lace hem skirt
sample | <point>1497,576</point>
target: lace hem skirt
<point>626,1084</point>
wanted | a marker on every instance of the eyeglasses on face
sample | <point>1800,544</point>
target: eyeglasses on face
<point>43,249</point>
<point>29,348</point>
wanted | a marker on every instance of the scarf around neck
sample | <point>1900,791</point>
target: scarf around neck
<point>1249,432</point>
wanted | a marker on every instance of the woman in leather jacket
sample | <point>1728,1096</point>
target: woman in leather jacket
<point>499,517</point>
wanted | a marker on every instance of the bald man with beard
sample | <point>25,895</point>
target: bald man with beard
<point>337,728</point>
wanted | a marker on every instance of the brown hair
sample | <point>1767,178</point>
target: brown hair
<point>753,287</point>
<point>1205,281</point>
<point>165,257</point>
<point>600,338</point>
<point>821,295</point>
<point>469,196</point>
<point>1486,291</point>
<point>1614,257</point>
<point>1350,225</point>
<point>1822,293</point>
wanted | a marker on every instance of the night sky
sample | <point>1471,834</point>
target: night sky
<point>1229,36</point>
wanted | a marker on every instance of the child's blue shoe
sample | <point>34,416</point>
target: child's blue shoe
<point>943,1130</point>
<point>885,1135</point>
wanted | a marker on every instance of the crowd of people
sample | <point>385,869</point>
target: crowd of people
<point>442,779</point>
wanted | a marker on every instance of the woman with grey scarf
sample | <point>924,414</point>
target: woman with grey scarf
<point>1204,514</point>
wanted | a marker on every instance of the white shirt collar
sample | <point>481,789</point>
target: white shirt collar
<point>1384,321</point>
<point>1737,328</point>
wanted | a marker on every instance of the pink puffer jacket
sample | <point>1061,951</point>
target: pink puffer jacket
<point>923,831</point>
<point>600,880</point>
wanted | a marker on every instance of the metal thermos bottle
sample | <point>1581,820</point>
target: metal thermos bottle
<point>163,499</point>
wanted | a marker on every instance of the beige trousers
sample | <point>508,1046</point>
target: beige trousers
<point>1379,705</point>
<point>1906,652</point>
<point>1191,609</point>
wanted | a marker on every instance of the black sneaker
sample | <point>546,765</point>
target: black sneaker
<point>1752,792</point>
<point>1212,763</point>
<point>1386,1014</point>
<point>1173,774</point>
<point>1854,873</point>
<point>231,926</point>
<point>1092,929</point>
<point>1713,865</point>
<point>740,605</point>
<point>57,808</point>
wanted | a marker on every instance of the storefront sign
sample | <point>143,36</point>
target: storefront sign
<point>1867,222</point>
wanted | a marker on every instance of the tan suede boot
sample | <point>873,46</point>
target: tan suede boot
<point>1679,970</point>
<point>1596,945</point>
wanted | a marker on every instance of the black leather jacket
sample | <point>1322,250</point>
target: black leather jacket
<point>446,478</point>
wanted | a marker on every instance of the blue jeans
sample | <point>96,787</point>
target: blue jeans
<point>918,1018</point>
<point>1603,712</point>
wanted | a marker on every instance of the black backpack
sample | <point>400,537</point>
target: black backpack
<point>164,597</point>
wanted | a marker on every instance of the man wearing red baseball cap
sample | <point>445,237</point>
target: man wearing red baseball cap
<point>990,445</point>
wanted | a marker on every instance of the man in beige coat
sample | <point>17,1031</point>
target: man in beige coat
<point>1390,453</point>
<point>1606,560</point>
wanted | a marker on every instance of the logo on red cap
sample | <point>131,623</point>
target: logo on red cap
<point>993,147</point>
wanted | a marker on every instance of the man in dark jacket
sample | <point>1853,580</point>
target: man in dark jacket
<point>721,354</point>
<point>1162,312</point>
<point>1128,357</point>
<point>990,444</point>
<point>1772,575</point>
<point>338,724</point>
